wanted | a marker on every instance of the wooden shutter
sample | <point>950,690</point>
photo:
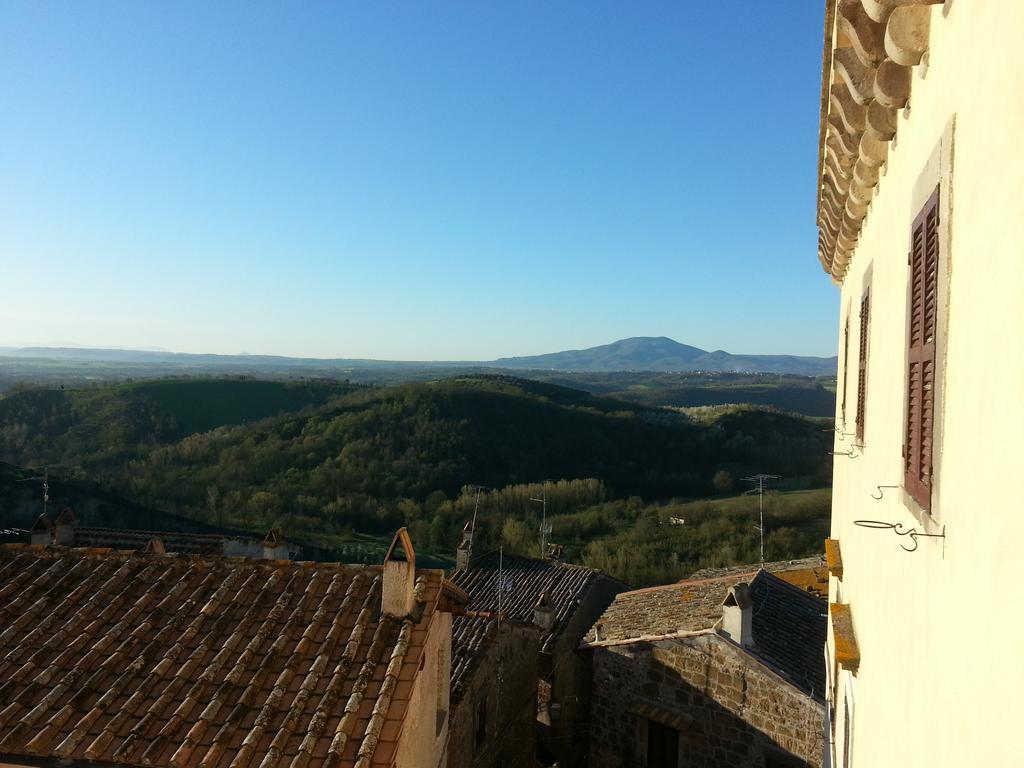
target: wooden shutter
<point>862,366</point>
<point>923,322</point>
<point>846,360</point>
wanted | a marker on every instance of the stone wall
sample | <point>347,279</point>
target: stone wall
<point>731,711</point>
<point>564,729</point>
<point>510,708</point>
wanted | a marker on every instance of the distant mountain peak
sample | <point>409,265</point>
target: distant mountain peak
<point>661,353</point>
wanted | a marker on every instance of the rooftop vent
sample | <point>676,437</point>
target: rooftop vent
<point>737,615</point>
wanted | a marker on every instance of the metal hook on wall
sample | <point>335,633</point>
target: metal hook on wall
<point>839,433</point>
<point>881,491</point>
<point>913,533</point>
<point>850,454</point>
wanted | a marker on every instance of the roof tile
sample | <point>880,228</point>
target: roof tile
<point>139,658</point>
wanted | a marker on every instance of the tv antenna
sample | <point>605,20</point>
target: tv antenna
<point>759,481</point>
<point>45,477</point>
<point>545,526</point>
<point>476,508</point>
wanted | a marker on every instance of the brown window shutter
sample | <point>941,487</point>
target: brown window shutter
<point>846,360</point>
<point>862,366</point>
<point>923,327</point>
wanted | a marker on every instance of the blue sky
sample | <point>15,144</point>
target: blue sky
<point>411,180</point>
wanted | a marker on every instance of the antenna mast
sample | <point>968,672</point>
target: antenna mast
<point>760,480</point>
<point>545,527</point>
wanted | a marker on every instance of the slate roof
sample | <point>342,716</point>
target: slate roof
<point>790,627</point>
<point>144,659</point>
<point>788,623</point>
<point>524,579</point>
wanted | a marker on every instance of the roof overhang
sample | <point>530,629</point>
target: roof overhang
<point>870,50</point>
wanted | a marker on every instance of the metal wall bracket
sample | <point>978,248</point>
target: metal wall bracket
<point>913,533</point>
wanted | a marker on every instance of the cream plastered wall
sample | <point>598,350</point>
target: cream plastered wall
<point>941,630</point>
<point>421,744</point>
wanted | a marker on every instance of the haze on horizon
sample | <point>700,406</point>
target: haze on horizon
<point>443,183</point>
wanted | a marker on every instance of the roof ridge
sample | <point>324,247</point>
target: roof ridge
<point>688,582</point>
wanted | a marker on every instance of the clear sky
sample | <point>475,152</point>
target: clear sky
<point>423,180</point>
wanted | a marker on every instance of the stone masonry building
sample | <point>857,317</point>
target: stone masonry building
<point>562,601</point>
<point>721,672</point>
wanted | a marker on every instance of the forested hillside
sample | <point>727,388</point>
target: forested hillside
<point>99,428</point>
<point>334,461</point>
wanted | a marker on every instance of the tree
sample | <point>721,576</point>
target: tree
<point>722,481</point>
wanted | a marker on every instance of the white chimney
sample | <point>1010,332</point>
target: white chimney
<point>737,615</point>
<point>398,597</point>
<point>544,612</point>
<point>64,531</point>
<point>274,546</point>
<point>42,531</point>
<point>465,548</point>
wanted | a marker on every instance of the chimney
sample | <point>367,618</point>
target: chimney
<point>737,615</point>
<point>42,531</point>
<point>274,546</point>
<point>155,546</point>
<point>64,532</point>
<point>544,612</point>
<point>465,549</point>
<point>398,598</point>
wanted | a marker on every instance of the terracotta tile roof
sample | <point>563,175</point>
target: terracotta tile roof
<point>115,538</point>
<point>472,636</point>
<point>789,626</point>
<point>138,659</point>
<point>524,579</point>
<point>813,580</point>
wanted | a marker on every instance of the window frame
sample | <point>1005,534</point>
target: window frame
<point>862,364</point>
<point>921,401</point>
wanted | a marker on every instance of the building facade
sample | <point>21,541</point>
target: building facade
<point>562,601</point>
<point>715,672</point>
<point>920,227</point>
<point>494,693</point>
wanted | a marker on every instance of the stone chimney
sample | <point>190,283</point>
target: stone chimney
<point>42,531</point>
<point>274,546</point>
<point>544,612</point>
<point>64,531</point>
<point>737,615</point>
<point>155,546</point>
<point>398,597</point>
<point>464,552</point>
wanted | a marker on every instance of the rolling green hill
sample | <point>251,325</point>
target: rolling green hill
<point>100,427</point>
<point>333,461</point>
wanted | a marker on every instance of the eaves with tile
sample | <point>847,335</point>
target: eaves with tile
<point>169,660</point>
<point>871,50</point>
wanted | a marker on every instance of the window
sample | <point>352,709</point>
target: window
<point>862,365</point>
<point>847,735</point>
<point>846,359</point>
<point>481,724</point>
<point>662,746</point>
<point>921,337</point>
<point>440,675</point>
